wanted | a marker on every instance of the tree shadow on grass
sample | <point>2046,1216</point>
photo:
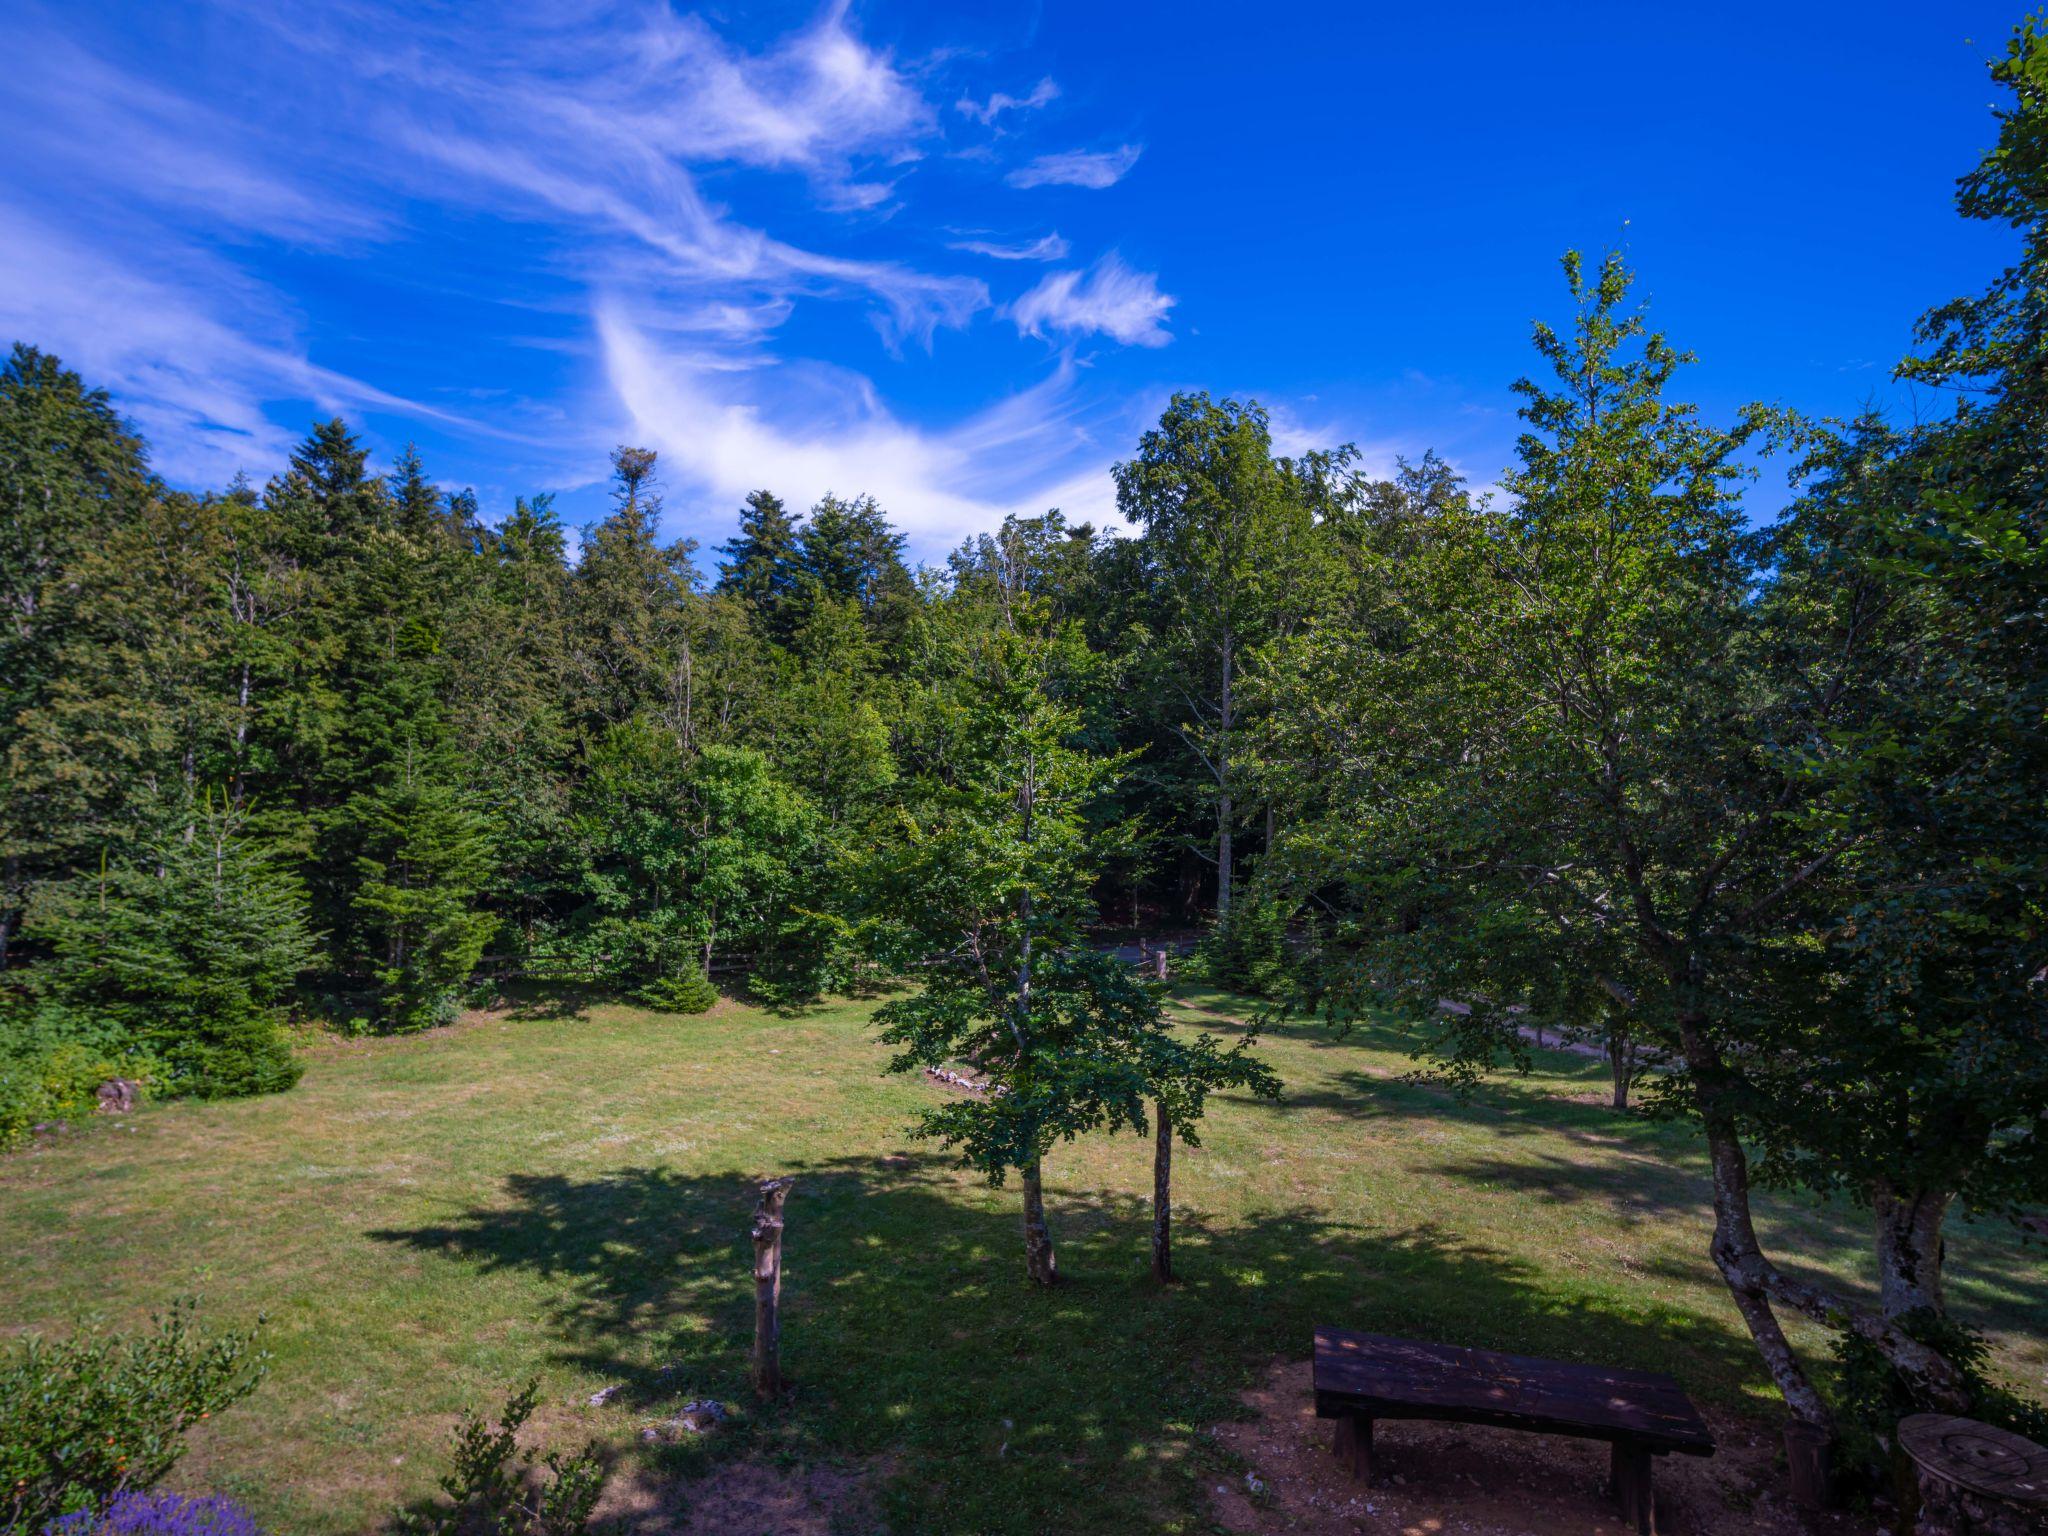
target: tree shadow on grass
<point>530,999</point>
<point>909,1331</point>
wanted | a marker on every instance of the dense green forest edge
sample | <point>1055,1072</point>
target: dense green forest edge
<point>1758,803</point>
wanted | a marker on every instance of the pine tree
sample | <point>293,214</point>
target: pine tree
<point>192,945</point>
<point>629,600</point>
<point>761,565</point>
<point>426,856</point>
<point>70,473</point>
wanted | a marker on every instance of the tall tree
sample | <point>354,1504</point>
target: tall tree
<point>1225,538</point>
<point>70,472</point>
<point>629,600</point>
<point>987,892</point>
<point>1583,749</point>
<point>761,565</point>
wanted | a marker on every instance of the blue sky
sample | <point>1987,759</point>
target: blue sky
<point>953,256</point>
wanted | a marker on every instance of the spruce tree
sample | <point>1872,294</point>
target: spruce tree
<point>761,565</point>
<point>70,473</point>
<point>191,944</point>
<point>426,856</point>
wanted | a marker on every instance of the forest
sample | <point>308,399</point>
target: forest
<point>1757,803</point>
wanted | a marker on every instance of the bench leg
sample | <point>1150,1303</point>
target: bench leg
<point>1630,1482</point>
<point>1353,1445</point>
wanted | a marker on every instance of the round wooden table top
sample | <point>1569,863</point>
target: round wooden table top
<point>1985,1460</point>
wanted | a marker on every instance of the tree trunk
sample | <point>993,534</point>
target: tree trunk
<point>10,877</point>
<point>1040,1263</point>
<point>1621,1061</point>
<point>1224,809</point>
<point>1162,1196</point>
<point>768,1287</point>
<point>1754,1281</point>
<point>1739,1257</point>
<point>1909,1248</point>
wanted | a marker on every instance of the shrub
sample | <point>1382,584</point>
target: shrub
<point>688,991</point>
<point>158,1514</point>
<point>495,1488</point>
<point>52,1062</point>
<point>102,1414</point>
<point>1247,949</point>
<point>1872,1395</point>
<point>802,958</point>
<point>191,949</point>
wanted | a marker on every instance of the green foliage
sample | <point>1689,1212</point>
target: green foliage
<point>987,896</point>
<point>427,856</point>
<point>53,1059</point>
<point>1872,1395</point>
<point>191,950</point>
<point>97,1413</point>
<point>495,1488</point>
<point>689,991</point>
<point>1246,950</point>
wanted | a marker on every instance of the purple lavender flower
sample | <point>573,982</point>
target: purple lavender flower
<point>159,1514</point>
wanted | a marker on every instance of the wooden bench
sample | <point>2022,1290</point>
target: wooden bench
<point>1360,1377</point>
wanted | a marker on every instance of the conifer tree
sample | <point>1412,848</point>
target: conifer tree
<point>191,943</point>
<point>425,858</point>
<point>70,473</point>
<point>761,566</point>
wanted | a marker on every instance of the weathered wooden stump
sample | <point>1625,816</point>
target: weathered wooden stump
<point>768,1286</point>
<point>1810,1465</point>
<point>1973,1479</point>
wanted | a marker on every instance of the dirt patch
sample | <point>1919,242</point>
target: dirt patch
<point>752,1497</point>
<point>1466,1480</point>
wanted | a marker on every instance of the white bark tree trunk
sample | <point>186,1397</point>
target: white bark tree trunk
<point>1909,1248</point>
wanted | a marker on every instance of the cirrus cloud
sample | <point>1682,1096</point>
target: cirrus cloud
<point>1109,297</point>
<point>1090,168</point>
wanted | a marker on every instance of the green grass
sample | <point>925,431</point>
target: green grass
<point>428,1221</point>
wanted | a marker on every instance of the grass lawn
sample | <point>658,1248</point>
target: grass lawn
<point>428,1221</point>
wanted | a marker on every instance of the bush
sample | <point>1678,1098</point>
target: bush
<point>99,1415</point>
<point>52,1062</point>
<point>495,1489</point>
<point>158,1514</point>
<point>1247,949</point>
<point>1872,1396</point>
<point>191,950</point>
<point>687,991</point>
<point>802,958</point>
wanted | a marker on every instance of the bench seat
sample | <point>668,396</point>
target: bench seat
<point>1361,1377</point>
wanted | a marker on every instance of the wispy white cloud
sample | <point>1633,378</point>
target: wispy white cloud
<point>1109,297</point>
<point>194,378</point>
<point>809,431</point>
<point>1092,168</point>
<point>999,102</point>
<point>608,160</point>
<point>1045,248</point>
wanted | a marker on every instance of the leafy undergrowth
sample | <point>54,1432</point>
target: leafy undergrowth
<point>564,1192</point>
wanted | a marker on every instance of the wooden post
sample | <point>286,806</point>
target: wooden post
<point>1162,1196</point>
<point>1809,1464</point>
<point>1353,1446</point>
<point>1630,1476</point>
<point>768,1287</point>
<point>1160,960</point>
